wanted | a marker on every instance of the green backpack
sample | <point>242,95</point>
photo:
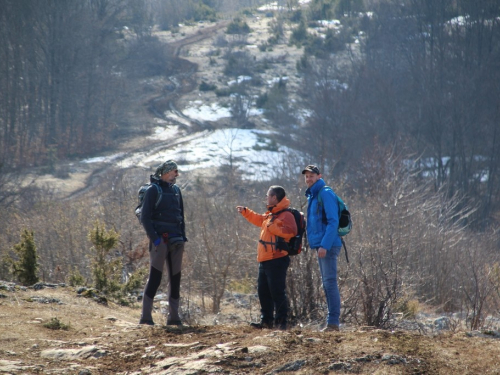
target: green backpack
<point>345,222</point>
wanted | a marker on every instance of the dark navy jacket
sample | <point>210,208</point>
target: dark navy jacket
<point>168,217</point>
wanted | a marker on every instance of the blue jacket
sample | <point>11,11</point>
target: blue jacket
<point>320,233</point>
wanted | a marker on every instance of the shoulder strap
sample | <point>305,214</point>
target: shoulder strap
<point>320,205</point>
<point>159,193</point>
<point>320,201</point>
<point>279,212</point>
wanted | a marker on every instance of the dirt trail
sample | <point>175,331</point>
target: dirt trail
<point>182,82</point>
<point>105,339</point>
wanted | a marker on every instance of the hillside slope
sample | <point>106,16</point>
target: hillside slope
<point>105,339</point>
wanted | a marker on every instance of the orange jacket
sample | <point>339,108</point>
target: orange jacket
<point>283,226</point>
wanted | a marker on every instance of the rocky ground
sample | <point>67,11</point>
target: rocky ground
<point>95,337</point>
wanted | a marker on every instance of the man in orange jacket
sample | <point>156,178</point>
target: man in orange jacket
<point>276,225</point>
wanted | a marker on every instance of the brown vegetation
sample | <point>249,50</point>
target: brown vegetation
<point>54,330</point>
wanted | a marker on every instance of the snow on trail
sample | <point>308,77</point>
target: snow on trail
<point>208,149</point>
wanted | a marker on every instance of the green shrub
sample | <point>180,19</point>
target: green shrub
<point>207,87</point>
<point>409,308</point>
<point>238,26</point>
<point>272,40</point>
<point>239,63</point>
<point>299,34</point>
<point>204,12</point>
<point>75,278</point>
<point>261,100</point>
<point>222,92</point>
<point>106,270</point>
<point>244,286</point>
<point>303,65</point>
<point>26,267</point>
<point>135,281</point>
<point>56,324</point>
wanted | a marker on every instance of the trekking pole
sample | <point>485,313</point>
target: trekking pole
<point>345,249</point>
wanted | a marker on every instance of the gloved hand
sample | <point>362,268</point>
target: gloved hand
<point>157,241</point>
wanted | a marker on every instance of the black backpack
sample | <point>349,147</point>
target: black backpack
<point>141,193</point>
<point>294,246</point>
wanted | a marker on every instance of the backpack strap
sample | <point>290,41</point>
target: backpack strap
<point>323,217</point>
<point>320,203</point>
<point>280,241</point>
<point>159,193</point>
<point>345,249</point>
<point>279,212</point>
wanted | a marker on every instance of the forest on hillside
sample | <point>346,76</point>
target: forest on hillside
<point>423,84</point>
<point>402,117</point>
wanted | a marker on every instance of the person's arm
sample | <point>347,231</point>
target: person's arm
<point>283,226</point>
<point>183,224</point>
<point>147,213</point>
<point>331,207</point>
<point>252,216</point>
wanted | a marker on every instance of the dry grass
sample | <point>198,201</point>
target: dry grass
<point>113,329</point>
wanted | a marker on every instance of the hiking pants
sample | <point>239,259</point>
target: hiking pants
<point>171,255</point>
<point>271,287</point>
<point>328,268</point>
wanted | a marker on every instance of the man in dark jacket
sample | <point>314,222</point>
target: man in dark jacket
<point>163,222</point>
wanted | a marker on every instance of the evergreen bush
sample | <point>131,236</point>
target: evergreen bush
<point>26,267</point>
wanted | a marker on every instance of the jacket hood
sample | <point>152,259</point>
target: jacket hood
<point>313,190</point>
<point>283,205</point>
<point>156,180</point>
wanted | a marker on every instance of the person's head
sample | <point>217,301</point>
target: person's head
<point>167,171</point>
<point>311,175</point>
<point>275,194</point>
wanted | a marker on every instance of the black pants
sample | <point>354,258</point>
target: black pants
<point>271,286</point>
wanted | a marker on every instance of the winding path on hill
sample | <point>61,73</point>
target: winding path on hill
<point>183,82</point>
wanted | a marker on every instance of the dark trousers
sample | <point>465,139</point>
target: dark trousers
<point>271,286</point>
<point>159,256</point>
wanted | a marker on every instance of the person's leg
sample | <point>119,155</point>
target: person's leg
<point>174,266</point>
<point>156,260</point>
<point>276,278</point>
<point>265,297</point>
<point>328,268</point>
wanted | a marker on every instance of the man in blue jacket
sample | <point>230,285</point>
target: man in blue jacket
<point>322,234</point>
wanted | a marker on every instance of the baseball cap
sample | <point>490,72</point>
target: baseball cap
<point>311,168</point>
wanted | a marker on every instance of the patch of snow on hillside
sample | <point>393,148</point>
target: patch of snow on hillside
<point>239,80</point>
<point>216,148</point>
<point>103,159</point>
<point>203,112</point>
<point>162,133</point>
<point>275,80</point>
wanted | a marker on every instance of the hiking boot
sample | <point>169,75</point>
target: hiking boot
<point>261,325</point>
<point>280,324</point>
<point>148,322</point>
<point>172,322</point>
<point>331,328</point>
<point>282,327</point>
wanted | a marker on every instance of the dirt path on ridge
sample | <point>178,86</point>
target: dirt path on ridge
<point>182,82</point>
